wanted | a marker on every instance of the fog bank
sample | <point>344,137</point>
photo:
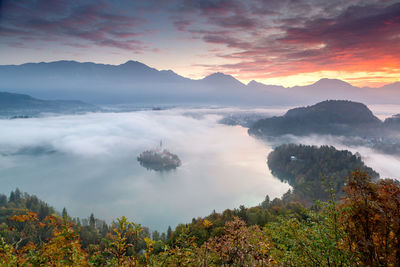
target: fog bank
<point>87,163</point>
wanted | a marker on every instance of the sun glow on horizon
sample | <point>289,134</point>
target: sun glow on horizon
<point>355,41</point>
<point>359,79</point>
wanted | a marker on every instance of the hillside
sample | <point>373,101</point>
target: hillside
<point>21,105</point>
<point>393,121</point>
<point>277,232</point>
<point>336,117</point>
<point>312,171</point>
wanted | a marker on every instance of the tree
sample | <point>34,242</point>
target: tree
<point>3,200</point>
<point>371,219</point>
<point>239,246</point>
<point>311,241</point>
<point>163,237</point>
<point>266,202</point>
<point>64,213</point>
<point>242,213</point>
<point>119,245</point>
<point>92,221</point>
<point>156,235</point>
<point>169,232</point>
<point>312,171</point>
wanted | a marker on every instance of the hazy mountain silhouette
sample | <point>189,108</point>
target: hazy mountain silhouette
<point>221,80</point>
<point>336,117</point>
<point>12,104</point>
<point>135,82</point>
<point>393,122</point>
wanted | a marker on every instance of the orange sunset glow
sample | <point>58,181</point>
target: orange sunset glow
<point>274,42</point>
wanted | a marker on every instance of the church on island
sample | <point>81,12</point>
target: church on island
<point>159,159</point>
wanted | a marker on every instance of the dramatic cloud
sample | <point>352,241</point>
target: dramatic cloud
<point>252,39</point>
<point>76,24</point>
<point>281,38</point>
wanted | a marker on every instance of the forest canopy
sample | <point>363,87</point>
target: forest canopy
<point>334,117</point>
<point>312,171</point>
<point>362,229</point>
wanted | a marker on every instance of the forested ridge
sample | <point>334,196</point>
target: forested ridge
<point>363,228</point>
<point>313,171</point>
<point>334,117</point>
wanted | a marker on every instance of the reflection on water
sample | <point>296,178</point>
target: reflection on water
<point>95,169</point>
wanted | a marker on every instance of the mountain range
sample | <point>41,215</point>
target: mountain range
<point>135,82</point>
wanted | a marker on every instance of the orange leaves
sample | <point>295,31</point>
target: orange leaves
<point>238,245</point>
<point>207,224</point>
<point>61,249</point>
<point>29,216</point>
<point>119,245</point>
<point>241,245</point>
<point>371,216</point>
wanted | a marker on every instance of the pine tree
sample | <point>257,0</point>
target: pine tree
<point>169,232</point>
<point>64,213</point>
<point>92,221</point>
<point>156,235</point>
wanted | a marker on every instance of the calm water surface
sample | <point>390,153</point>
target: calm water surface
<point>87,163</point>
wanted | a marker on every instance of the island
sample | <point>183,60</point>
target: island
<point>159,159</point>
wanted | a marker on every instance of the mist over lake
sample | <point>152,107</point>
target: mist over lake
<point>88,163</point>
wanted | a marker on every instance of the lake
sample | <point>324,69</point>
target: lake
<point>87,163</point>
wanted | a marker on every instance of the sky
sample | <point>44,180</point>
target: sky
<point>283,42</point>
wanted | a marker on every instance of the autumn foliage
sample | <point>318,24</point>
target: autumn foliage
<point>362,229</point>
<point>371,216</point>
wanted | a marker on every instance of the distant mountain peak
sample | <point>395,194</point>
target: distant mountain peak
<point>254,83</point>
<point>56,62</point>
<point>331,82</point>
<point>169,71</point>
<point>129,62</point>
<point>394,85</point>
<point>219,77</point>
<point>133,63</point>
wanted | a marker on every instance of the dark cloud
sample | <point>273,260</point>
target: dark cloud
<point>235,21</point>
<point>80,23</point>
<point>210,7</point>
<point>283,36</point>
<point>182,24</point>
<point>226,40</point>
